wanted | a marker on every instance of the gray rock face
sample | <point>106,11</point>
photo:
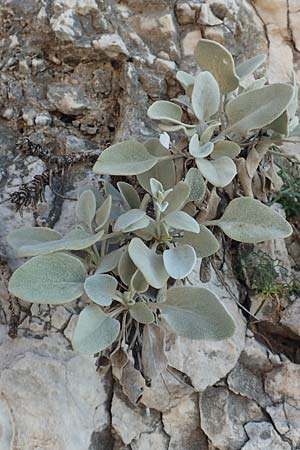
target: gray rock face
<point>77,75</point>
<point>43,399</point>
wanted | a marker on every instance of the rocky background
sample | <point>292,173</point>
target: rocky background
<point>78,75</point>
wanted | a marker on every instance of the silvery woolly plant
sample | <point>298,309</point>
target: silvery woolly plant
<point>136,244</point>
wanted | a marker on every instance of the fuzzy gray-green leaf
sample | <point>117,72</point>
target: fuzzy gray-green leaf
<point>129,194</point>
<point>198,150</point>
<point>94,330</point>
<point>148,262</point>
<point>31,236</point>
<point>197,184</point>
<point>126,268</point>
<point>101,288</point>
<point>204,243</point>
<point>76,239</point>
<point>125,158</point>
<point>177,198</point>
<point>110,261</point>
<point>225,148</point>
<point>86,207</point>
<point>52,279</point>
<point>180,220</point>
<point>219,172</point>
<point>163,171</point>
<point>257,108</point>
<point>103,213</point>
<point>281,124</point>
<point>196,313</point>
<point>179,261</point>
<point>248,220</point>
<point>205,96</point>
<point>214,58</point>
<point>165,111</point>
<point>131,220</point>
<point>250,65</point>
<point>138,282</point>
<point>141,313</point>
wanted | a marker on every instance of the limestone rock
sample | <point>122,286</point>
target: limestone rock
<point>283,384</point>
<point>111,44</point>
<point>182,424</point>
<point>7,430</point>
<point>223,416</point>
<point>67,99</point>
<point>263,437</point>
<point>246,378</point>
<point>286,419</point>
<point>42,386</point>
<point>130,422</point>
<point>290,317</point>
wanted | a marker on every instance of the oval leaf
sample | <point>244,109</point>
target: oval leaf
<point>141,313</point>
<point>185,79</point>
<point>196,313</point>
<point>77,239</point>
<point>177,198</point>
<point>179,220</point>
<point>281,124</point>
<point>257,108</point>
<point>204,243</point>
<point>163,171</point>
<point>129,194</point>
<point>126,268</point>
<point>179,261</point>
<point>208,132</point>
<point>148,262</point>
<point>205,96</point>
<point>197,184</point>
<point>101,288</point>
<point>248,220</point>
<point>31,236</point>
<point>225,148</point>
<point>219,172</point>
<point>130,219</point>
<point>110,261</point>
<point>94,330</point>
<point>165,111</point>
<point>86,207</point>
<point>52,279</point>
<point>103,213</point>
<point>138,282</point>
<point>250,65</point>
<point>214,58</point>
<point>198,150</point>
<point>125,158</point>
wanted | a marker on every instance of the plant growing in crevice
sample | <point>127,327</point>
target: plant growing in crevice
<point>289,194</point>
<point>134,250</point>
<point>268,277</point>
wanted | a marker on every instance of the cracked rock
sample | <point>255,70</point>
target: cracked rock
<point>286,419</point>
<point>283,384</point>
<point>223,416</point>
<point>263,437</point>
<point>51,408</point>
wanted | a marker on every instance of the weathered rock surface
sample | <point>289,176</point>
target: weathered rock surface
<point>51,397</point>
<point>77,75</point>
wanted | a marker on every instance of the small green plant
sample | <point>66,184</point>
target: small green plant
<point>289,194</point>
<point>268,277</point>
<point>133,250</point>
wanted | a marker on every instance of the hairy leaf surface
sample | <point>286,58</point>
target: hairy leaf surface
<point>52,279</point>
<point>196,313</point>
